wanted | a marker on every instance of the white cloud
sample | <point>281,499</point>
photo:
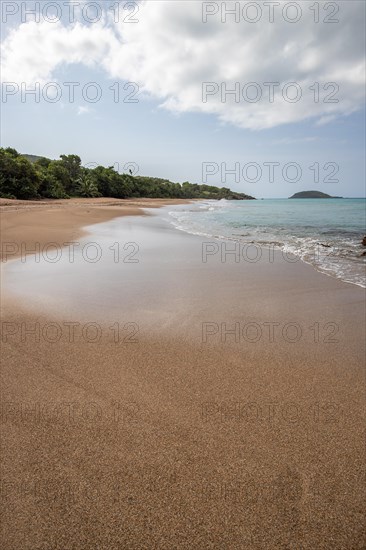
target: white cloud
<point>290,141</point>
<point>325,120</point>
<point>170,53</point>
<point>83,110</point>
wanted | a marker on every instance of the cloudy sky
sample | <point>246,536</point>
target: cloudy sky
<point>263,97</point>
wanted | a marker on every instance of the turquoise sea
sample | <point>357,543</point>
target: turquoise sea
<point>326,233</point>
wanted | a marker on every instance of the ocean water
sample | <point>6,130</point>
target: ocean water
<point>326,233</point>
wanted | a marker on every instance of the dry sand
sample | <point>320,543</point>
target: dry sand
<point>172,442</point>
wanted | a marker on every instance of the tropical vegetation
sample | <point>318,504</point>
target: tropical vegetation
<point>30,177</point>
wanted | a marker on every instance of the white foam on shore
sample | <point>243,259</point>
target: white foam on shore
<point>335,256</point>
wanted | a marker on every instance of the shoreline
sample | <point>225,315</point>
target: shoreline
<point>64,220</point>
<point>277,248</point>
<point>82,213</point>
<point>144,224</point>
<point>197,434</point>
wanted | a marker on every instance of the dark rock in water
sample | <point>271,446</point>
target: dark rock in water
<point>363,253</point>
<point>364,241</point>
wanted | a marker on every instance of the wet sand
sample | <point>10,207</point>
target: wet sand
<point>175,433</point>
<point>61,221</point>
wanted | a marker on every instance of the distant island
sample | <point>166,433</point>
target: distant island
<point>312,195</point>
<point>30,177</point>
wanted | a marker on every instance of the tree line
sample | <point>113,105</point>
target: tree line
<point>40,177</point>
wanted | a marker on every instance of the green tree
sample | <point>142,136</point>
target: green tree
<point>66,177</point>
<point>19,178</point>
<point>72,164</point>
<point>87,186</point>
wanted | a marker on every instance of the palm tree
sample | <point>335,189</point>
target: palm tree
<point>87,187</point>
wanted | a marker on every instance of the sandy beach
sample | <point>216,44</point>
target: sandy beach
<point>185,403</point>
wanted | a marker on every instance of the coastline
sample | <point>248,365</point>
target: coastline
<point>64,220</point>
<point>172,439</point>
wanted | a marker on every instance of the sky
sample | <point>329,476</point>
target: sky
<point>266,98</point>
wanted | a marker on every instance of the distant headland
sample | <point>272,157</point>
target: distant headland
<point>312,195</point>
<point>32,177</point>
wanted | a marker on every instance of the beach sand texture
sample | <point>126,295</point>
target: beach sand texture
<point>185,438</point>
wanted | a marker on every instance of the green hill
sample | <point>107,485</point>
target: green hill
<point>312,195</point>
<point>34,177</point>
<point>32,158</point>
